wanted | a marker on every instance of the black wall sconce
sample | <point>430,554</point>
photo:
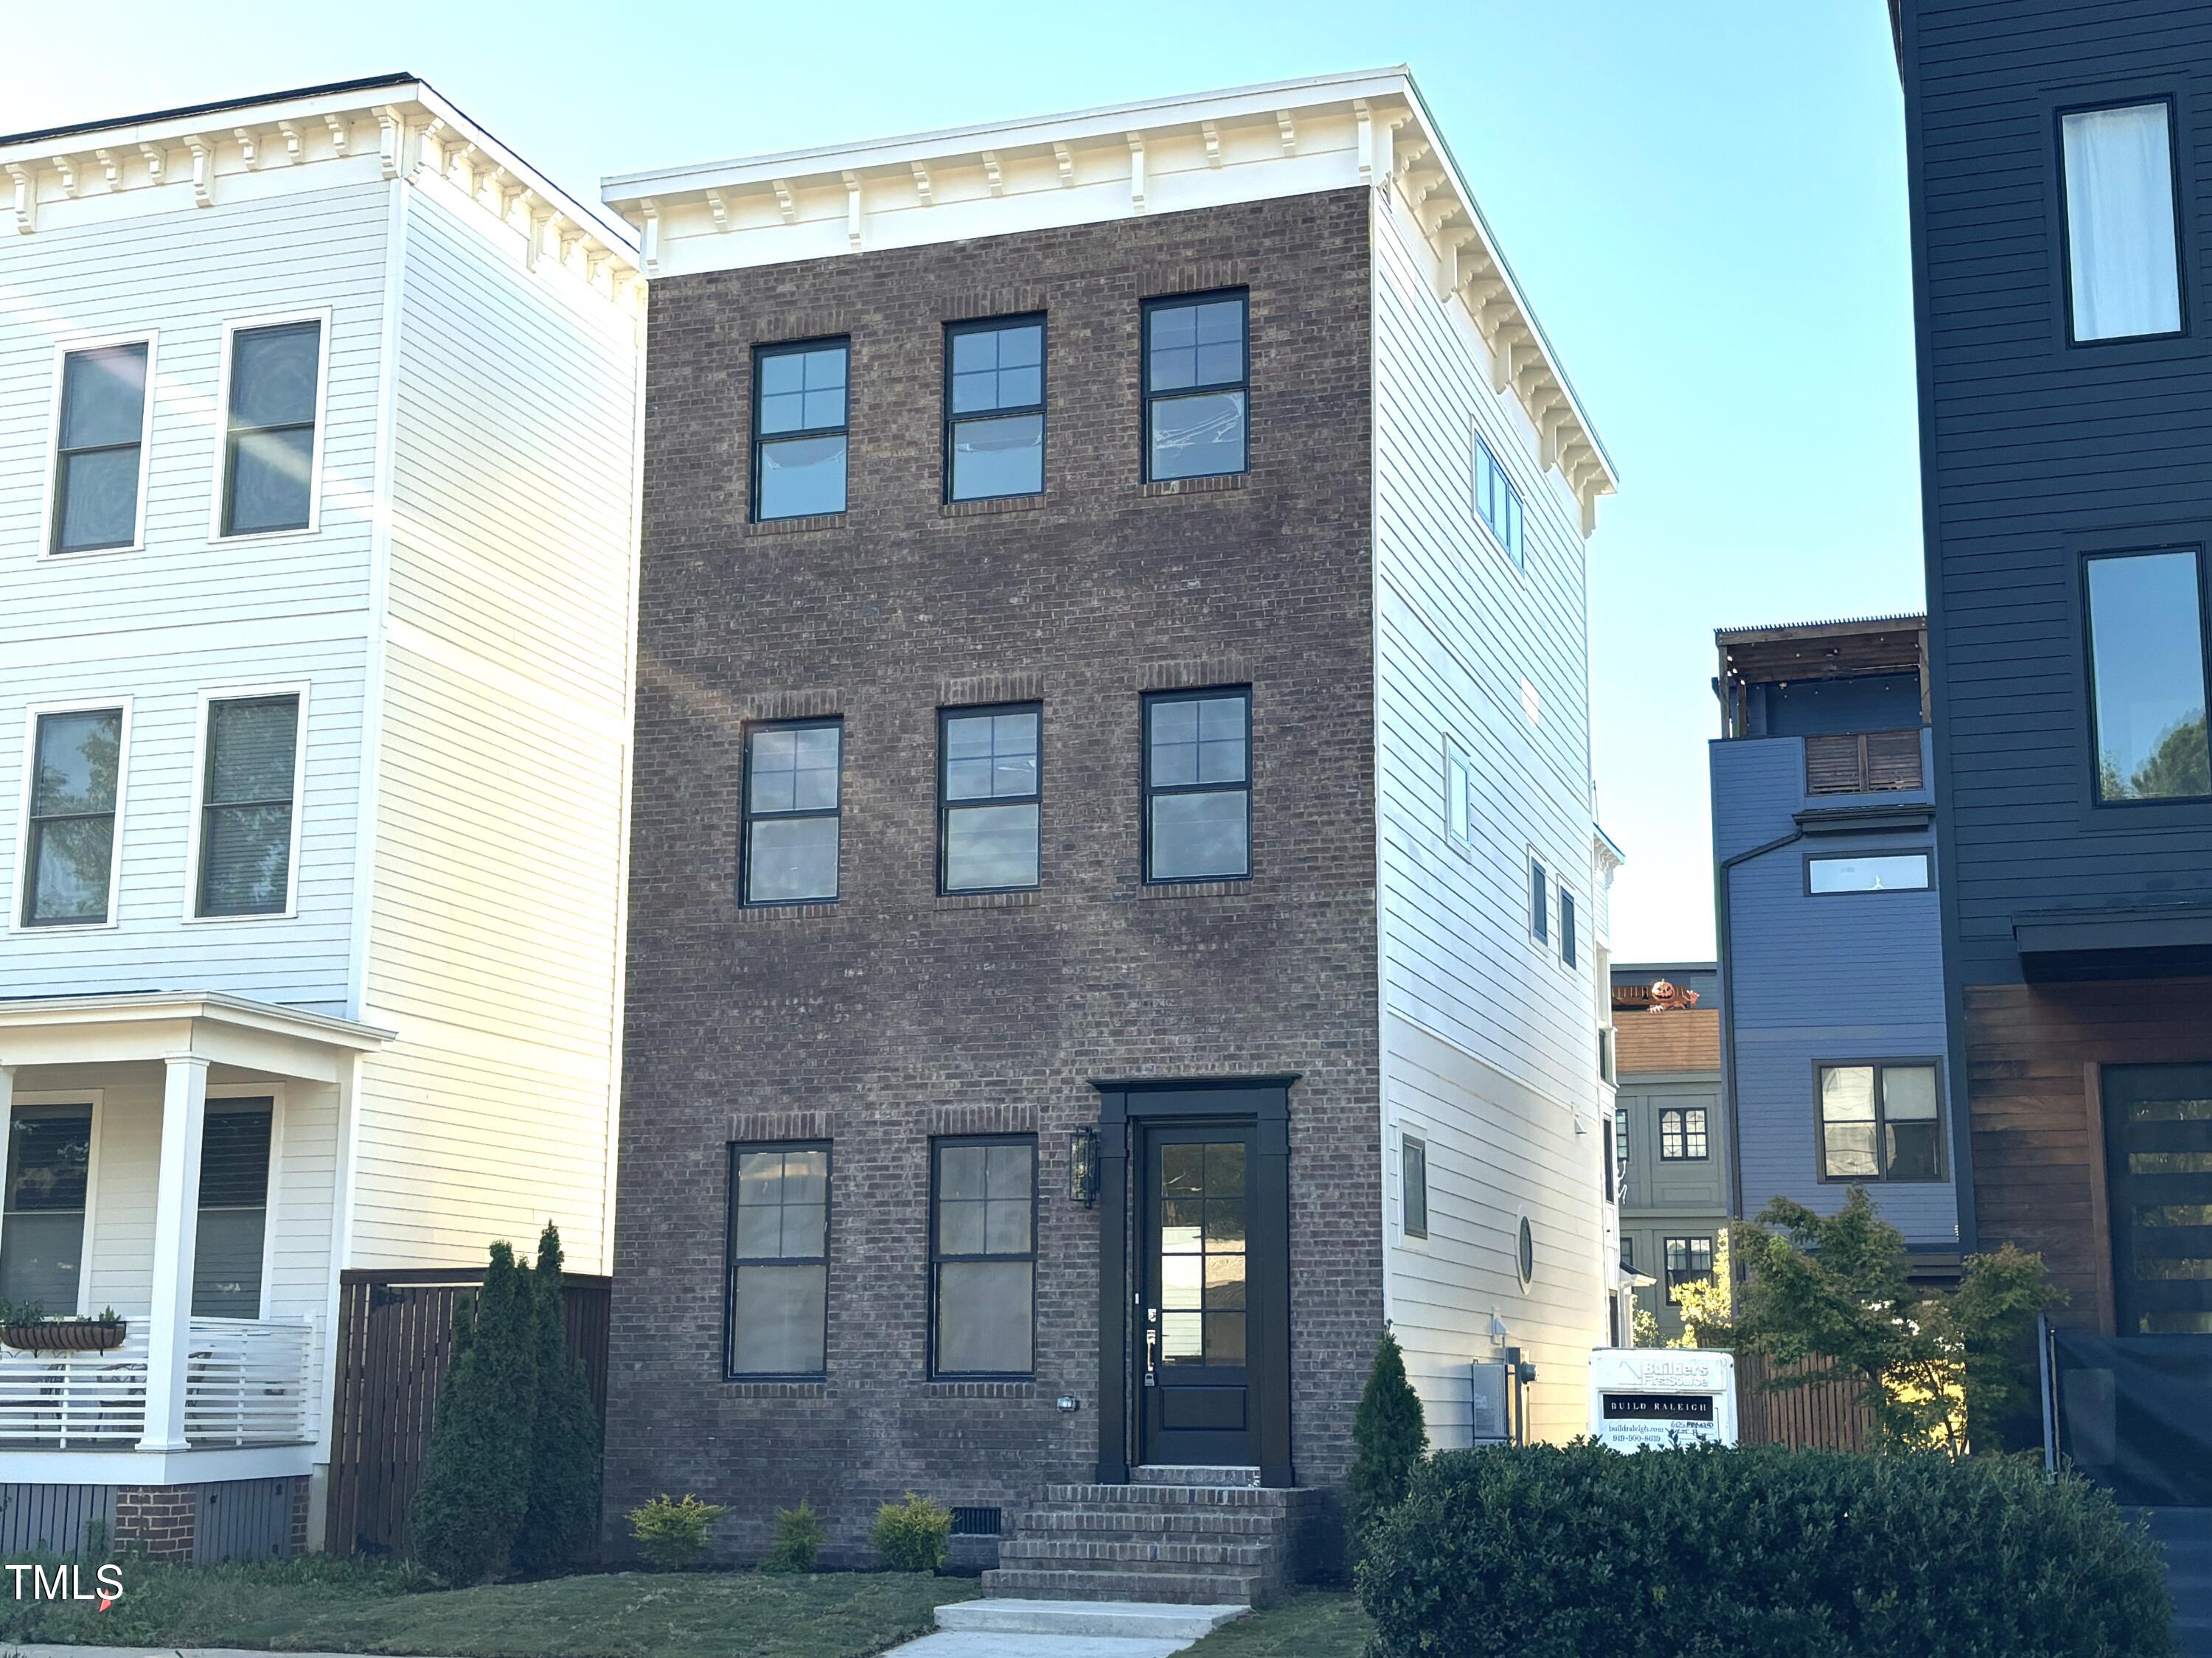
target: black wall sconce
<point>1083,1167</point>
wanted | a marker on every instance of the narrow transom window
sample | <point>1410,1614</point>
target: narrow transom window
<point>994,409</point>
<point>1879,1122</point>
<point>1887,871</point>
<point>989,798</point>
<point>1197,386</point>
<point>2122,260</point>
<point>1198,786</point>
<point>233,1210</point>
<point>42,1224</point>
<point>68,852</point>
<point>245,813</point>
<point>983,1255</point>
<point>792,810</point>
<point>1611,1172</point>
<point>2147,677</point>
<point>1459,795</point>
<point>799,428</point>
<point>1414,1180</point>
<point>1539,902</point>
<point>1682,1134</point>
<point>1566,927</point>
<point>100,448</point>
<point>779,1272</point>
<point>269,447</point>
<point>1689,1260</point>
<point>1496,502</point>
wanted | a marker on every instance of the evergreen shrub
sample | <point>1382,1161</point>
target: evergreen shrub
<point>799,1539</point>
<point>911,1536</point>
<point>1389,1437</point>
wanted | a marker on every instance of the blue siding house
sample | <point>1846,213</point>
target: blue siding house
<point>1834,1068</point>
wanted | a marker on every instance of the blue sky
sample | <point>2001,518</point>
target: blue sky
<point>1705,203</point>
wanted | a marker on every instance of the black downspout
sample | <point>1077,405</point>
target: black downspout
<point>1723,875</point>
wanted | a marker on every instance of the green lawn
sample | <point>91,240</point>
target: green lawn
<point>317,1604</point>
<point>1316,1624</point>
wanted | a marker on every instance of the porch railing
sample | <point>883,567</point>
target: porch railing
<point>247,1382</point>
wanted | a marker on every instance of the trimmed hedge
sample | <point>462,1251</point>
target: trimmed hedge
<point>1565,1552</point>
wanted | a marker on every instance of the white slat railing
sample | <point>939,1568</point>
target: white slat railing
<point>247,1382</point>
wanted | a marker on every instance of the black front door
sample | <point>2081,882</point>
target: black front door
<point>1194,1324</point>
<point>2158,1160</point>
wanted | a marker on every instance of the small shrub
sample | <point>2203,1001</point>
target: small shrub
<point>1707,1549</point>
<point>799,1539</point>
<point>910,1536</point>
<point>1389,1437</point>
<point>672,1534</point>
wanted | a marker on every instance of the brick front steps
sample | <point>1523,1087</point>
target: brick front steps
<point>1192,1545</point>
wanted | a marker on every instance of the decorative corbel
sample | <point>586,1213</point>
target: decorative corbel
<point>1549,425</point>
<point>1213,143</point>
<point>783,201</point>
<point>27,197</point>
<point>649,243</point>
<point>532,229</point>
<point>203,150</point>
<point>433,138</point>
<point>464,155</point>
<point>341,133</point>
<point>390,140</point>
<point>991,173</point>
<point>720,208</point>
<point>921,183</point>
<point>294,145</point>
<point>157,162</point>
<point>1137,172</point>
<point>1364,118</point>
<point>1290,132</point>
<point>111,165</point>
<point>249,144</point>
<point>504,187</point>
<point>852,210</point>
<point>1066,157</point>
<point>1448,276</point>
<point>66,166</point>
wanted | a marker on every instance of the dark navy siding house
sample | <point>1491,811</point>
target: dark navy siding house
<point>2061,160</point>
<point>1834,1071</point>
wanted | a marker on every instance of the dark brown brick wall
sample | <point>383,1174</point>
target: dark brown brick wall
<point>897,1015</point>
<point>156,1520</point>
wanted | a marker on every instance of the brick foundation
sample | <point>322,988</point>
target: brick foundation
<point>159,1522</point>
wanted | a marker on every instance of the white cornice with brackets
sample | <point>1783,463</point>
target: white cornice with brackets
<point>1168,156</point>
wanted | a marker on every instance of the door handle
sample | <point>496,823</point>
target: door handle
<point>1151,1347</point>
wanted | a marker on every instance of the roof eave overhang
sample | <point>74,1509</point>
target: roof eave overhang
<point>152,1025</point>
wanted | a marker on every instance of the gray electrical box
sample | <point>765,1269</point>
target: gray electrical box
<point>1491,1426</point>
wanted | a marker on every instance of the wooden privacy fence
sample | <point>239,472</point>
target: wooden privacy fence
<point>1825,1416</point>
<point>395,1342</point>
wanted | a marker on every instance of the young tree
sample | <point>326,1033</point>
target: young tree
<point>476,1477</point>
<point>563,1511</point>
<point>1388,1437</point>
<point>1707,1304</point>
<point>1929,1363</point>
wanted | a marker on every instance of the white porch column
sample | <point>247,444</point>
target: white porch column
<point>176,1238</point>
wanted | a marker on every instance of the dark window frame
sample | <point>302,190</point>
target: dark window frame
<point>762,354</point>
<point>1412,1149</point>
<point>232,428</point>
<point>234,1105</point>
<point>2176,185</point>
<point>953,421</point>
<point>1510,538</point>
<point>63,453</point>
<point>946,806</point>
<point>208,806</point>
<point>732,1263</point>
<point>1567,918</point>
<point>1895,1062</point>
<point>1925,854</point>
<point>1146,397</point>
<point>35,822</point>
<point>1670,1280</point>
<point>1146,790</point>
<point>937,1258</point>
<point>1612,1168</point>
<point>746,815</point>
<point>1540,901</point>
<point>1685,1136</point>
<point>56,1111</point>
<point>2097,803</point>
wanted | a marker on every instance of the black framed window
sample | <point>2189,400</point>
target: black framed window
<point>2146,675</point>
<point>1606,1156</point>
<point>778,1293</point>
<point>99,448</point>
<point>2123,221</point>
<point>1496,502</point>
<point>246,810</point>
<point>68,848</point>
<point>982,1245</point>
<point>1198,784</point>
<point>792,811</point>
<point>234,1208</point>
<point>1566,927</point>
<point>1197,374</point>
<point>994,409</point>
<point>1878,872</point>
<point>42,1228</point>
<point>800,432</point>
<point>1539,902</point>
<point>1413,1186</point>
<point>989,794</point>
<point>1627,1252</point>
<point>1459,795</point>
<point>268,443</point>
<point>1689,1260</point>
<point>1682,1134</point>
<point>1880,1122</point>
<point>1620,1141</point>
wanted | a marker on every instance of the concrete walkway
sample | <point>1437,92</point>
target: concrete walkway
<point>1065,1629</point>
<point>7,1650</point>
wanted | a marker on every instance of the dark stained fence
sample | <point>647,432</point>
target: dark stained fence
<point>1825,1416</point>
<point>395,1342</point>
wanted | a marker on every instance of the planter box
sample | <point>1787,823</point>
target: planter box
<point>64,1335</point>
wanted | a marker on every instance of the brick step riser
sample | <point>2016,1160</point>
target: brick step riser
<point>1208,1521</point>
<point>1179,1588</point>
<point>1243,1557</point>
<point>1247,1498</point>
<point>1180,1537</point>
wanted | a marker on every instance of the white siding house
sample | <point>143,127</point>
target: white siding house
<point>318,433</point>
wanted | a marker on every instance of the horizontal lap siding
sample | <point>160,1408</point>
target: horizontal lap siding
<point>500,784</point>
<point>1489,1041</point>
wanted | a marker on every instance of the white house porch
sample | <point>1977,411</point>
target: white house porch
<point>176,1158</point>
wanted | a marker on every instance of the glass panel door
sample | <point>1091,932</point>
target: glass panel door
<point>2158,1161</point>
<point>1194,1330</point>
